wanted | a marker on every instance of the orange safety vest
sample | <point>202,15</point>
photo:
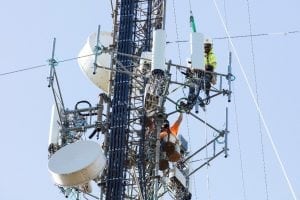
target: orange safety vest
<point>173,130</point>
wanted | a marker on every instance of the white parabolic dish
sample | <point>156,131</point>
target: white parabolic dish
<point>77,163</point>
<point>86,63</point>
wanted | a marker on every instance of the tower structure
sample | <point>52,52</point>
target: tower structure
<point>131,112</point>
<point>134,24</point>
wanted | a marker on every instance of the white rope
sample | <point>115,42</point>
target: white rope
<point>239,144</point>
<point>177,36</point>
<point>190,149</point>
<point>257,106</point>
<point>206,156</point>
<point>257,99</point>
<point>195,188</point>
<point>226,22</point>
<point>236,118</point>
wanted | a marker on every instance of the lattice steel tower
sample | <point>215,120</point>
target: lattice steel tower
<point>134,24</point>
<point>135,160</point>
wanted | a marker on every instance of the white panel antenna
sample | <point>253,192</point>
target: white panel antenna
<point>158,50</point>
<point>197,50</point>
<point>54,127</point>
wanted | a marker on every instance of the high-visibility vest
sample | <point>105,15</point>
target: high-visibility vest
<point>210,59</point>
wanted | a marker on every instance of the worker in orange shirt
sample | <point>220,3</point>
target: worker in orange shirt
<point>166,129</point>
<point>169,141</point>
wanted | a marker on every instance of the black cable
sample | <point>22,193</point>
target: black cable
<point>75,58</point>
<point>81,113</point>
<point>44,65</point>
<point>241,36</point>
<point>168,42</point>
<point>24,69</point>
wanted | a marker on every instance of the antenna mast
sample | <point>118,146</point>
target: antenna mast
<point>129,173</point>
<point>135,161</point>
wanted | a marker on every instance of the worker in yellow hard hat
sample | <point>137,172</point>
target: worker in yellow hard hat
<point>206,79</point>
<point>210,60</point>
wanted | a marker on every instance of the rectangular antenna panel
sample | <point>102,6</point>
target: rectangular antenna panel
<point>197,50</point>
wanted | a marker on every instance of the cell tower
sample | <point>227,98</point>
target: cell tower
<point>133,160</point>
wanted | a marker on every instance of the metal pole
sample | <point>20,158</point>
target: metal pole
<point>137,183</point>
<point>53,48</point>
<point>221,83</point>
<point>97,48</point>
<point>226,134</point>
<point>159,121</point>
<point>229,78</point>
<point>52,63</point>
<point>59,91</point>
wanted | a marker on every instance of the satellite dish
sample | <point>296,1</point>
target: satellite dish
<point>76,164</point>
<point>102,77</point>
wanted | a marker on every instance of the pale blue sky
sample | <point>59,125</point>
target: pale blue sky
<point>27,30</point>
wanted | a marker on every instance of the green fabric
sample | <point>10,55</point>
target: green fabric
<point>192,23</point>
<point>210,59</point>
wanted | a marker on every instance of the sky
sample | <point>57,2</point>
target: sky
<point>27,31</point>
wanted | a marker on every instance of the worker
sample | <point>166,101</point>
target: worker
<point>205,80</point>
<point>169,142</point>
<point>210,64</point>
<point>209,57</point>
<point>166,129</point>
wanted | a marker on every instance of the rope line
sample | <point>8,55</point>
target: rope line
<point>236,120</point>
<point>23,69</point>
<point>257,35</point>
<point>188,132</point>
<point>243,36</point>
<point>206,155</point>
<point>239,144</point>
<point>257,99</point>
<point>257,106</point>
<point>75,58</point>
<point>43,65</point>
<point>190,5</point>
<point>226,22</point>
<point>177,35</point>
<point>168,42</point>
<point>190,149</point>
<point>195,188</point>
